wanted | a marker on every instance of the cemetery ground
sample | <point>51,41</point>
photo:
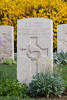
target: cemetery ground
<point>19,98</point>
<point>9,71</point>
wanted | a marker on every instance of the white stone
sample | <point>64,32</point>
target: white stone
<point>6,42</point>
<point>62,38</point>
<point>34,47</point>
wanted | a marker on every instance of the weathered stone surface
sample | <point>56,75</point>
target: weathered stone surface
<point>62,38</point>
<point>6,42</point>
<point>34,47</point>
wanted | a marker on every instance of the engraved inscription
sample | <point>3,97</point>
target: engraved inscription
<point>34,51</point>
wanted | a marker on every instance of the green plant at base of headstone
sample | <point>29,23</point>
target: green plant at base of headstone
<point>10,88</point>
<point>9,61</point>
<point>46,84</point>
<point>60,58</point>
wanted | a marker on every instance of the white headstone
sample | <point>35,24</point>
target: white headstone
<point>34,47</point>
<point>62,38</point>
<point>6,42</point>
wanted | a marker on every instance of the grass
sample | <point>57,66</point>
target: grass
<point>9,71</point>
<point>63,71</point>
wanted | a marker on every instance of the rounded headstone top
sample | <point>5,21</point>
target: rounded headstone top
<point>6,26</point>
<point>35,20</point>
<point>62,25</point>
<point>6,29</point>
<point>61,28</point>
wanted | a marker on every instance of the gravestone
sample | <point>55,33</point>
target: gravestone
<point>62,38</point>
<point>6,42</point>
<point>34,47</point>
